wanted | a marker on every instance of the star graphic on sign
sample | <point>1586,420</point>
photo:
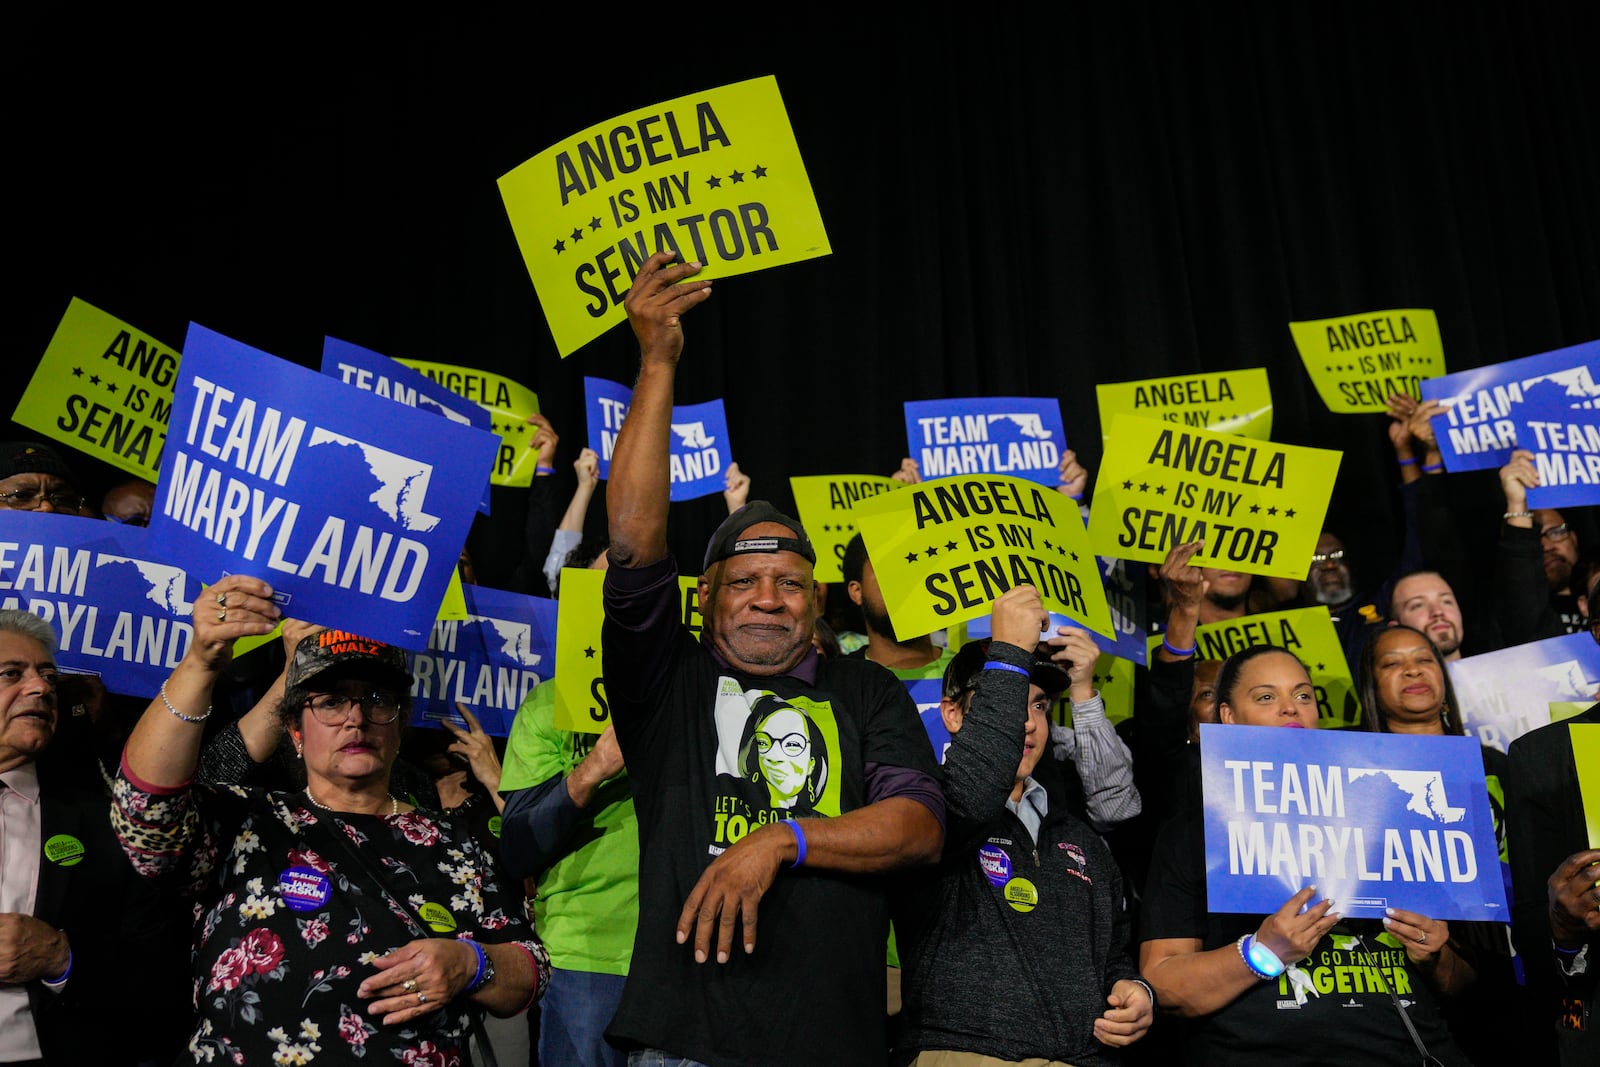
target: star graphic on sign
<point>1161,490</point>
<point>849,527</point>
<point>1048,545</point>
<point>77,372</point>
<point>714,182</point>
<point>1288,513</point>
<point>930,551</point>
<point>1074,557</point>
<point>577,234</point>
<point>1127,485</point>
<point>951,546</point>
<point>736,177</point>
<point>1272,511</point>
<point>760,171</point>
<point>111,387</point>
<point>1321,667</point>
<point>1144,487</point>
<point>588,653</point>
<point>594,223</point>
<point>561,246</point>
<point>911,557</point>
<point>94,379</point>
<point>1255,509</point>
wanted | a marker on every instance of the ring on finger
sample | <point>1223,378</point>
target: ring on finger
<point>222,600</point>
<point>222,616</point>
<point>409,984</point>
<point>1422,939</point>
<point>422,998</point>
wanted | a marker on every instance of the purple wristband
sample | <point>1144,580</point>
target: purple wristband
<point>996,665</point>
<point>799,841</point>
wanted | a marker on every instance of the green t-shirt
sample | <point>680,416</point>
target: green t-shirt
<point>587,905</point>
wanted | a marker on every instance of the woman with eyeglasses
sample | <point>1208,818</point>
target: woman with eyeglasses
<point>784,751</point>
<point>336,922</point>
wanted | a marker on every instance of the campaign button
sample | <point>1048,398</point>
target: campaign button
<point>304,888</point>
<point>996,865</point>
<point>438,917</point>
<point>1021,895</point>
<point>495,822</point>
<point>64,849</point>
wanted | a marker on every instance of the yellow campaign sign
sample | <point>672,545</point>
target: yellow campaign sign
<point>825,503</point>
<point>1358,361</point>
<point>509,404</point>
<point>716,177</point>
<point>105,389</point>
<point>1258,506</point>
<point>1306,632</point>
<point>1566,709</point>
<point>580,686</point>
<point>1230,401</point>
<point>944,550</point>
<point>1586,758</point>
<point>1113,677</point>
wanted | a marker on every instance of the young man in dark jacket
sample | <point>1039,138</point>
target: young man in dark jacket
<point>1018,948</point>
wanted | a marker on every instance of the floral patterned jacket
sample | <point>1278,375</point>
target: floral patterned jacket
<point>286,929</point>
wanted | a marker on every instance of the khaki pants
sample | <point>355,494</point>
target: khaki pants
<point>943,1058</point>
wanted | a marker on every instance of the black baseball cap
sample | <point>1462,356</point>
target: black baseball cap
<point>354,656</point>
<point>726,541</point>
<point>30,457</point>
<point>968,663</point>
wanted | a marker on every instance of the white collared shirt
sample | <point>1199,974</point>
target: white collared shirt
<point>20,848</point>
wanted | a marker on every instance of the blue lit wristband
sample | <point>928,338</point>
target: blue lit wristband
<point>55,984</point>
<point>799,842</point>
<point>1179,652</point>
<point>996,665</point>
<point>1262,961</point>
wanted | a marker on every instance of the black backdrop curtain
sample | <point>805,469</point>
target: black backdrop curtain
<point>1021,200</point>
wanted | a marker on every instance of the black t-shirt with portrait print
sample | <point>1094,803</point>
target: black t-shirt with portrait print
<point>713,755</point>
<point>1342,1014</point>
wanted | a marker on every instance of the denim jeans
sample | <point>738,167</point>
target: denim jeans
<point>573,1016</point>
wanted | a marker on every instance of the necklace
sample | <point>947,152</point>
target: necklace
<point>394,805</point>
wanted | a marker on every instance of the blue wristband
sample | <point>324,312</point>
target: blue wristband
<point>58,982</point>
<point>799,841</point>
<point>1432,468</point>
<point>1412,462</point>
<point>483,963</point>
<point>1179,651</point>
<point>544,470</point>
<point>996,665</point>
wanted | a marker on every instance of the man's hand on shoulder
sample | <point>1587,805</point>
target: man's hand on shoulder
<point>656,303</point>
<point>730,892</point>
<point>30,949</point>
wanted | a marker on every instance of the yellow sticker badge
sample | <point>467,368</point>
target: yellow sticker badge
<point>509,404</point>
<point>1021,895</point>
<point>64,849</point>
<point>438,917</point>
<point>825,503</point>
<point>1234,401</point>
<point>1309,635</point>
<point>104,388</point>
<point>944,551</point>
<point>1258,506</point>
<point>580,698</point>
<point>716,177</point>
<point>1358,361</point>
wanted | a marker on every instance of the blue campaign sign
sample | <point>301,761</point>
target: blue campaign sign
<point>1565,442</point>
<point>700,453</point>
<point>366,369</point>
<point>1374,821</point>
<point>1480,429</point>
<point>352,507</point>
<point>926,692</point>
<point>1124,584</point>
<point>1505,694</point>
<point>120,609</point>
<point>1015,435</point>
<point>489,662</point>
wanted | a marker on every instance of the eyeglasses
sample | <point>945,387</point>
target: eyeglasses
<point>791,744</point>
<point>32,498</point>
<point>333,709</point>
<point>1319,558</point>
<point>1555,533</point>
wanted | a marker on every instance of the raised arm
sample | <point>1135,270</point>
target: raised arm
<point>637,496</point>
<point>164,748</point>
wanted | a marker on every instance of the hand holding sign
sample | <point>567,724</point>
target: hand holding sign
<point>657,302</point>
<point>544,442</point>
<point>1018,617</point>
<point>738,488</point>
<point>1424,938</point>
<point>237,606</point>
<point>1516,478</point>
<point>1073,476</point>
<point>1575,898</point>
<point>1293,930</point>
<point>474,746</point>
<point>1075,651</point>
<point>910,473</point>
